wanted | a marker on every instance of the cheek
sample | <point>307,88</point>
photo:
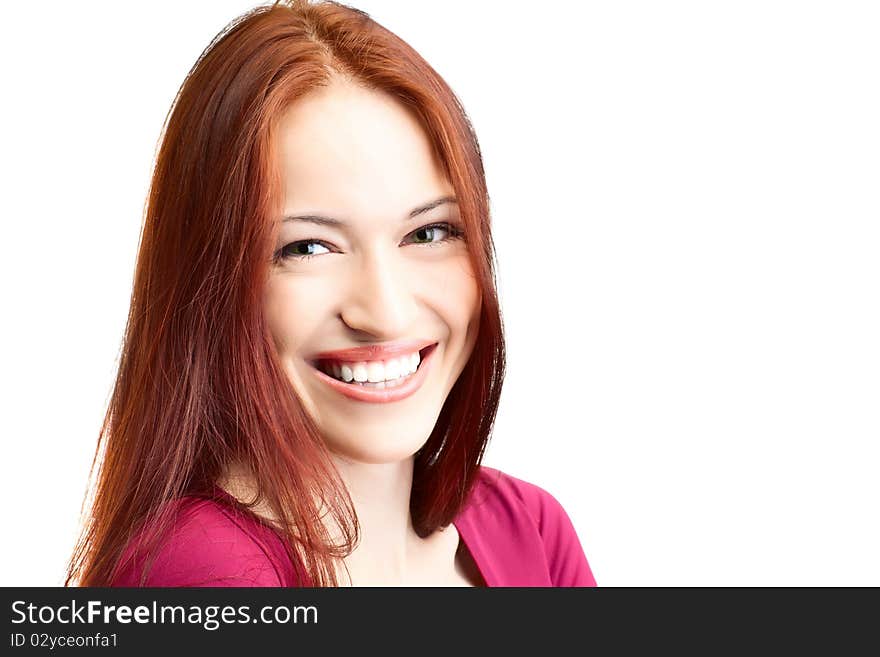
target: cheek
<point>456,294</point>
<point>293,307</point>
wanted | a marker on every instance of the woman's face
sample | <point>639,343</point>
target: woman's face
<point>366,272</point>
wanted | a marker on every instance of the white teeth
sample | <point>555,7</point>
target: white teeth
<point>359,372</point>
<point>375,372</point>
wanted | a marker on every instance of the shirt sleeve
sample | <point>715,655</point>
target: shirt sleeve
<point>206,548</point>
<point>565,555</point>
<point>566,559</point>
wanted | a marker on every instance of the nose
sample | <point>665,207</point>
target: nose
<point>380,299</point>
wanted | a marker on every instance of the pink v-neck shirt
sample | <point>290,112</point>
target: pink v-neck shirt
<point>517,533</point>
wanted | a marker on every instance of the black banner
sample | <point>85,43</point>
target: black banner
<point>550,621</point>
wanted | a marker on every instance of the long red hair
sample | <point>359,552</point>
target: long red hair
<point>199,383</point>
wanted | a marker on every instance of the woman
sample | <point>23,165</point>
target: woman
<point>314,353</point>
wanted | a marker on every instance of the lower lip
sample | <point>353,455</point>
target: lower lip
<point>383,395</point>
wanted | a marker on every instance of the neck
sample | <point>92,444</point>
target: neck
<point>381,496</point>
<point>389,552</point>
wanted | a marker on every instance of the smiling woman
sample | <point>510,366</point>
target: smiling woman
<point>314,355</point>
<point>375,278</point>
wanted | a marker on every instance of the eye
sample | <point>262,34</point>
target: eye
<point>301,250</point>
<point>428,235</point>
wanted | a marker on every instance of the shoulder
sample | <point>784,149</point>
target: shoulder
<point>514,492</point>
<point>515,495</point>
<point>207,543</point>
<point>524,512</point>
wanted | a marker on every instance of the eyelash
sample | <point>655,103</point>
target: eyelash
<point>453,233</point>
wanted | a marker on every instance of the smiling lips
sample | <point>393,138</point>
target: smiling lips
<point>376,373</point>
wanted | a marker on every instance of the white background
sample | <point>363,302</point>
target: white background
<point>686,200</point>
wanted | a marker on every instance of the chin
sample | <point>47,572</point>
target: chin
<point>390,445</point>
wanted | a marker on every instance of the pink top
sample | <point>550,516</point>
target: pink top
<point>516,532</point>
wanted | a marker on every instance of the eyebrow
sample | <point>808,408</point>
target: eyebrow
<point>322,220</point>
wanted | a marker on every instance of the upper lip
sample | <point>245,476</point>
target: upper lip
<point>374,351</point>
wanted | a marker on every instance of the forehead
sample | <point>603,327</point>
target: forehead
<point>356,152</point>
